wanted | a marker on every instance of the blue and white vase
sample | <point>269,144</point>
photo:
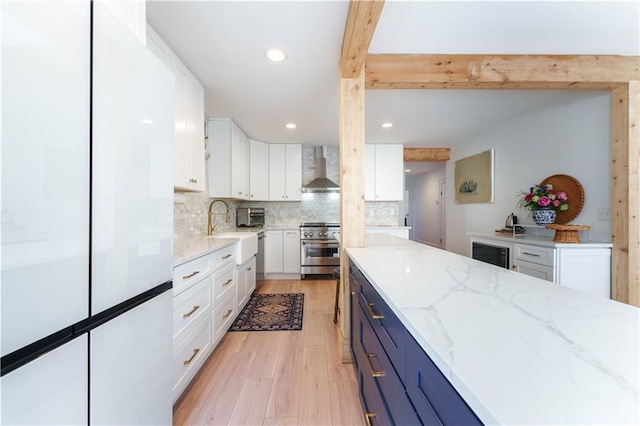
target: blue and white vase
<point>544,216</point>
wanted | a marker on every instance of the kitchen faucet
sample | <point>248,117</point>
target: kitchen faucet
<point>211,227</point>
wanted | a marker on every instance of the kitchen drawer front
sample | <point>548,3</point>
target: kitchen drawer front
<point>184,276</point>
<point>388,328</point>
<point>189,355</point>
<point>191,306</point>
<point>223,315</point>
<point>224,256</point>
<point>534,270</point>
<point>224,282</point>
<point>375,410</point>
<point>376,365</point>
<point>535,254</point>
<point>431,393</point>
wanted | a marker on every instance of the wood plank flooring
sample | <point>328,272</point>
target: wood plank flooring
<point>277,377</point>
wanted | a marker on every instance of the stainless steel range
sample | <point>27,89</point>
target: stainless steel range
<point>319,250</point>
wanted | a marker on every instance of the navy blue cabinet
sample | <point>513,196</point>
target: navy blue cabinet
<point>398,382</point>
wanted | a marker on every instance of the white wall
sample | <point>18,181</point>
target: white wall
<point>425,192</point>
<point>568,137</point>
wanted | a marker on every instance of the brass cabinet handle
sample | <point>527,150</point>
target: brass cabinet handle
<point>227,282</point>
<point>374,372</point>
<point>184,277</point>
<point>193,355</point>
<point>248,269</point>
<point>188,314</point>
<point>195,181</point>
<point>226,257</point>
<point>227,314</point>
<point>368,417</point>
<point>240,193</point>
<point>373,314</point>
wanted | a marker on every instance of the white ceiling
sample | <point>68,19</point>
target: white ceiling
<point>223,44</point>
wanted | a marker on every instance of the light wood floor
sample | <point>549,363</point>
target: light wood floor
<point>277,377</point>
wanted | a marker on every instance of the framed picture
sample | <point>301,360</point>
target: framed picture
<point>474,178</point>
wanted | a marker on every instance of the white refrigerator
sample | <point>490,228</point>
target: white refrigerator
<point>86,219</point>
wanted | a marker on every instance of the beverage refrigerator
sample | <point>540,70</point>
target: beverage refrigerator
<point>87,219</point>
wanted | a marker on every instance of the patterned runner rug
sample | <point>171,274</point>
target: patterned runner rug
<point>271,312</point>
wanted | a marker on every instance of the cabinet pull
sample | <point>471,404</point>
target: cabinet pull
<point>227,282</point>
<point>239,193</point>
<point>195,181</point>
<point>374,372</point>
<point>226,257</point>
<point>530,254</point>
<point>188,314</point>
<point>373,314</point>
<point>184,277</point>
<point>248,269</point>
<point>193,355</point>
<point>368,417</point>
<point>227,314</point>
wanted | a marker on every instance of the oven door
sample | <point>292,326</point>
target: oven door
<point>319,253</point>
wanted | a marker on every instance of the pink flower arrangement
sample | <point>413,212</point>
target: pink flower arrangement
<point>544,197</point>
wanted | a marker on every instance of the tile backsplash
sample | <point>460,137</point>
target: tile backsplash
<point>190,209</point>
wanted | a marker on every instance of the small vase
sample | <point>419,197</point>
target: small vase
<point>544,216</point>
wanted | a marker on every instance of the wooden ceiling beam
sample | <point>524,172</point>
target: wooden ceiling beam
<point>427,154</point>
<point>557,72</point>
<point>361,23</point>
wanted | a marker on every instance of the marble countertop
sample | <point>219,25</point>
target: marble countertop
<point>518,349</point>
<point>189,248</point>
<point>539,240</point>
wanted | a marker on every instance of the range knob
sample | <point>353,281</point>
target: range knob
<point>311,234</point>
<point>306,233</point>
<point>325,234</point>
<point>333,233</point>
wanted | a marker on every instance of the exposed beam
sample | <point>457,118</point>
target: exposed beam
<point>625,201</point>
<point>407,71</point>
<point>427,154</point>
<point>361,23</point>
<point>351,189</point>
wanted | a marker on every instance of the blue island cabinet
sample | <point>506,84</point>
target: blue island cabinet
<point>398,382</point>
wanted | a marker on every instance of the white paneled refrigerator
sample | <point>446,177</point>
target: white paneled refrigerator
<point>87,219</point>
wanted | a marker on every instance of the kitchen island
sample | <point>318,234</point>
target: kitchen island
<point>517,349</point>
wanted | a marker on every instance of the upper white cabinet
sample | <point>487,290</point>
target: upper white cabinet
<point>229,163</point>
<point>258,170</point>
<point>384,174</point>
<point>189,147</point>
<point>285,172</point>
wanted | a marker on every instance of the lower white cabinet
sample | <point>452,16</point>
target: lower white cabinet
<point>282,251</point>
<point>190,353</point>
<point>223,315</point>
<point>245,282</point>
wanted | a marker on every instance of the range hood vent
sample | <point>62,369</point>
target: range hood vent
<point>321,183</point>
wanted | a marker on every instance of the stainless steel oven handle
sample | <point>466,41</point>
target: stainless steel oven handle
<point>330,244</point>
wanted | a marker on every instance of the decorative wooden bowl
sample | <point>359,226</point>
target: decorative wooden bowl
<point>575,193</point>
<point>567,233</point>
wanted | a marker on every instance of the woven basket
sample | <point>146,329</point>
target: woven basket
<point>575,193</point>
<point>567,233</point>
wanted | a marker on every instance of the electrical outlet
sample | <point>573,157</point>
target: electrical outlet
<point>604,213</point>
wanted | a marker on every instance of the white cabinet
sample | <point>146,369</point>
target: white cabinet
<point>536,261</point>
<point>245,282</point>
<point>282,251</point>
<point>229,163</point>
<point>384,173</point>
<point>285,172</point>
<point>259,170</point>
<point>189,147</point>
<point>131,13</point>
<point>291,252</point>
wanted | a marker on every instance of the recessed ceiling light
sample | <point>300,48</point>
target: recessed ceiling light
<point>408,170</point>
<point>387,125</point>
<point>276,55</point>
<point>290,126</point>
<point>147,121</point>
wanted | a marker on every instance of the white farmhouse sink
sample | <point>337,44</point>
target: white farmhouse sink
<point>246,248</point>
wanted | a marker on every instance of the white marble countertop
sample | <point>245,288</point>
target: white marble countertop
<point>389,227</point>
<point>189,248</point>
<point>538,240</point>
<point>518,349</point>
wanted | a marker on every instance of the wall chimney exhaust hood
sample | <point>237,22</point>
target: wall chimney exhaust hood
<point>321,183</point>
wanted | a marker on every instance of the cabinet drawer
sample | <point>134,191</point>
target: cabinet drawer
<point>223,315</point>
<point>223,257</point>
<point>535,270</point>
<point>374,407</point>
<point>431,393</point>
<point>224,282</point>
<point>375,364</point>
<point>184,276</point>
<point>535,254</point>
<point>189,355</point>
<point>388,328</point>
<point>189,307</point>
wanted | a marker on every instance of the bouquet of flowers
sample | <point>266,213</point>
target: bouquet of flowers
<point>544,197</point>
